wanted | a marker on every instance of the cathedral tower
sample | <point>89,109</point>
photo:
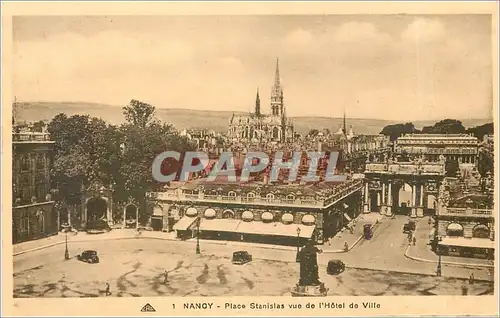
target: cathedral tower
<point>277,94</point>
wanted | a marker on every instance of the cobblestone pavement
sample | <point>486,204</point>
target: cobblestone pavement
<point>136,268</point>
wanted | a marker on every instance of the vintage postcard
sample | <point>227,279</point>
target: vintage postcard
<point>249,159</point>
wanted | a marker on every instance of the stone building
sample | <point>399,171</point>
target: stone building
<point>273,127</point>
<point>465,221</point>
<point>258,212</point>
<point>33,214</point>
<point>462,148</point>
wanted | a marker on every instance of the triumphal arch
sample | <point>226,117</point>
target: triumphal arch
<point>409,188</point>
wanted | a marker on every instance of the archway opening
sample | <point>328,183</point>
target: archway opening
<point>131,216</point>
<point>276,132</point>
<point>96,213</point>
<point>481,231</point>
<point>374,201</point>
<point>404,199</point>
<point>228,214</point>
<point>455,229</point>
<point>431,204</point>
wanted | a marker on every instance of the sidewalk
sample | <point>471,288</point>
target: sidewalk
<point>422,251</point>
<point>337,243</point>
<point>30,246</point>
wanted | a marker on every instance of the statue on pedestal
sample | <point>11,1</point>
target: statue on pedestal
<point>309,284</point>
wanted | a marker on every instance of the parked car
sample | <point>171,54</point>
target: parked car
<point>88,257</point>
<point>409,226</point>
<point>335,267</point>
<point>367,231</point>
<point>241,257</point>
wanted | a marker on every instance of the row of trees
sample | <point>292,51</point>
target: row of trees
<point>446,126</point>
<point>88,150</point>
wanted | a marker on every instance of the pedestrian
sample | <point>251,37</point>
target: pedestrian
<point>438,271</point>
<point>107,290</point>
<point>414,241</point>
<point>165,281</point>
<point>471,279</point>
<point>346,247</point>
<point>465,289</point>
<point>429,221</point>
<point>329,241</point>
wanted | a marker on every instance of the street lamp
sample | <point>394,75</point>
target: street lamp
<point>198,237</point>
<point>438,269</point>
<point>297,257</point>
<point>66,252</point>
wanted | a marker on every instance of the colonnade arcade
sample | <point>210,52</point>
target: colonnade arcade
<point>406,195</point>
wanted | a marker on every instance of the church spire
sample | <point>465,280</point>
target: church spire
<point>257,103</point>
<point>344,126</point>
<point>277,74</point>
<point>277,93</point>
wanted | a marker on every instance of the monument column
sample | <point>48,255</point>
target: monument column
<point>420,208</point>
<point>389,200</point>
<point>383,207</point>
<point>366,194</point>
<point>413,201</point>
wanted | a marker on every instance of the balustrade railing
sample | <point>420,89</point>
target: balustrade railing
<point>466,212</point>
<point>338,193</point>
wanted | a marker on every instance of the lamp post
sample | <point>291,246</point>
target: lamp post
<point>297,257</point>
<point>198,237</point>
<point>66,252</point>
<point>438,269</point>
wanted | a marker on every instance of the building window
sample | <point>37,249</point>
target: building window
<point>24,224</point>
<point>39,162</point>
<point>232,194</point>
<point>481,231</point>
<point>455,229</point>
<point>25,163</point>
<point>291,197</point>
<point>40,191</point>
<point>228,214</point>
<point>270,196</point>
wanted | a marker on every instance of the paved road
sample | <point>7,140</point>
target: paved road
<point>136,268</point>
<point>385,251</point>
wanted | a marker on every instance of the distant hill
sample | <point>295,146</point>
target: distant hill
<point>215,120</point>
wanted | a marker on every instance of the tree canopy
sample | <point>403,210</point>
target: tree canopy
<point>481,131</point>
<point>89,150</point>
<point>397,130</point>
<point>446,126</point>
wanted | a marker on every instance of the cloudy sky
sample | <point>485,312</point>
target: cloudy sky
<point>398,67</point>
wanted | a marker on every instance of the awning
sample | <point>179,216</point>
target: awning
<point>276,229</point>
<point>455,227</point>
<point>468,242</point>
<point>347,217</point>
<point>221,225</point>
<point>184,223</point>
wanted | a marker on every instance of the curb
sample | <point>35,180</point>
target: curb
<point>457,264</point>
<point>421,274</point>
<point>418,259</point>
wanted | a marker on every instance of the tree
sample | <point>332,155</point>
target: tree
<point>85,151</point>
<point>139,113</point>
<point>144,138</point>
<point>313,133</point>
<point>397,130</point>
<point>446,126</point>
<point>482,130</point>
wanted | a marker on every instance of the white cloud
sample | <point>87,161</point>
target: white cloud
<point>426,30</point>
<point>359,32</point>
<point>299,37</point>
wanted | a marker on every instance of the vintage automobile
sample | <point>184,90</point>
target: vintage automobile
<point>335,267</point>
<point>367,231</point>
<point>409,226</point>
<point>89,257</point>
<point>241,257</point>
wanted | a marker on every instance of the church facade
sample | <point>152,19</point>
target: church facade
<point>256,126</point>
